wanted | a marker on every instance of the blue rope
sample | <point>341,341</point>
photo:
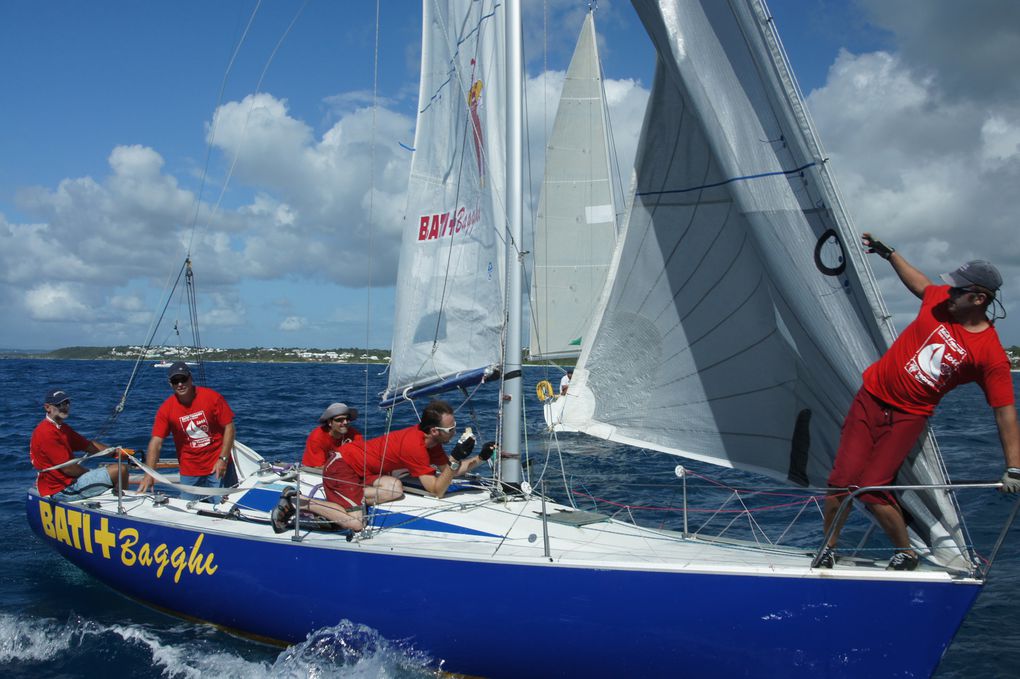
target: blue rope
<point>727,181</point>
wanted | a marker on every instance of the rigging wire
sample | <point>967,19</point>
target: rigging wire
<point>186,266</point>
<point>119,408</point>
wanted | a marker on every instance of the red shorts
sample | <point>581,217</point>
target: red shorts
<point>876,439</point>
<point>342,485</point>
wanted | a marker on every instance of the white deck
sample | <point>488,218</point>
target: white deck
<point>607,544</point>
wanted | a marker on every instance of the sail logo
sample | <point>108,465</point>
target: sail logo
<point>196,426</point>
<point>938,359</point>
<point>74,529</point>
<point>440,225</point>
<point>474,99</point>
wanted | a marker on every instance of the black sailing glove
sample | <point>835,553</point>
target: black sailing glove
<point>487,450</point>
<point>463,449</point>
<point>877,247</point>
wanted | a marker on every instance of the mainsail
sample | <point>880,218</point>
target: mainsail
<point>575,229</point>
<point>449,302</point>
<point>741,312</point>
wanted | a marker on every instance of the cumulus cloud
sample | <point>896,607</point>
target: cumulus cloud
<point>294,323</point>
<point>924,140</point>
<point>970,48</point>
<point>927,155</point>
<point>323,203</point>
<point>56,302</point>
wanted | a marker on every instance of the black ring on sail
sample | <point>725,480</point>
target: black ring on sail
<point>822,240</point>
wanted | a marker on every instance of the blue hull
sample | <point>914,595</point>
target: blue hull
<point>565,621</point>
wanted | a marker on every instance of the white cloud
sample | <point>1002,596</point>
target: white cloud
<point>932,173</point>
<point>294,323</point>
<point>57,302</point>
<point>313,215</point>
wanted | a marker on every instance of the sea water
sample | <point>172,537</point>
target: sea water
<point>57,621</point>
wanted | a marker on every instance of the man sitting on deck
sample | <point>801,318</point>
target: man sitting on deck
<point>362,472</point>
<point>952,341</point>
<point>54,442</point>
<point>334,430</point>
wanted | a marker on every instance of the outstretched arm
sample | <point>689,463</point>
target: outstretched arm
<point>151,458</point>
<point>912,277</point>
<point>1009,434</point>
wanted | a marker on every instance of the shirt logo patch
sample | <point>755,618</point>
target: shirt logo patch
<point>196,426</point>
<point>938,359</point>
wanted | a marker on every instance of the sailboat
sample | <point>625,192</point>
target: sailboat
<point>576,225</point>
<point>734,326</point>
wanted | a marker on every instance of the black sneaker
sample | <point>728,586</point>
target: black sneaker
<point>283,512</point>
<point>827,558</point>
<point>903,561</point>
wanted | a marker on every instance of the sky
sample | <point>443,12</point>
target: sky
<point>131,132</point>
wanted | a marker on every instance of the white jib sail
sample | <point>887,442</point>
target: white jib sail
<point>741,313</point>
<point>575,229</point>
<point>449,306</point>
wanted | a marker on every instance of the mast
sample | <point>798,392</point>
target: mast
<point>510,444</point>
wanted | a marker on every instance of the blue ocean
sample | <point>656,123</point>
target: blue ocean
<point>55,621</point>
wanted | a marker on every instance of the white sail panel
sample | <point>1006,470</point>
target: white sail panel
<point>449,307</point>
<point>575,229</point>
<point>737,325</point>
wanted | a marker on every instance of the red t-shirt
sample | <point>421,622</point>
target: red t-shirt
<point>197,429</point>
<point>321,445</point>
<point>401,449</point>
<point>52,445</point>
<point>934,355</point>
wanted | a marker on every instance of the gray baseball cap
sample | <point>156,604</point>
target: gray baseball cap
<point>976,272</point>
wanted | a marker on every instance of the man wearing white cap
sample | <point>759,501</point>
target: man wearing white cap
<point>951,342</point>
<point>334,430</point>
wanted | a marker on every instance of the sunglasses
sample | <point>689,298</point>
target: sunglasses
<point>179,379</point>
<point>341,419</point>
<point>447,430</point>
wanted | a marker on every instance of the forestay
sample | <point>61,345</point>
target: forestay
<point>575,229</point>
<point>741,312</point>
<point>449,307</point>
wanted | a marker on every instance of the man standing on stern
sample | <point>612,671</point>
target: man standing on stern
<point>202,425</point>
<point>951,342</point>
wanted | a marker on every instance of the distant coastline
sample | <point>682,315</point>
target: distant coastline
<point>249,355</point>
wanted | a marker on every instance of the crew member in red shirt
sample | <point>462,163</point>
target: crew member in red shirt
<point>202,425</point>
<point>55,442</point>
<point>362,470</point>
<point>951,342</point>
<point>334,430</point>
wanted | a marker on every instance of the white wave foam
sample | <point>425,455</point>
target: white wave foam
<point>30,640</point>
<point>355,651</point>
<point>359,651</point>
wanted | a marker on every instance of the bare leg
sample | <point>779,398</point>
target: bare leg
<point>829,510</point>
<point>334,512</point>
<point>890,518</point>
<point>385,489</point>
